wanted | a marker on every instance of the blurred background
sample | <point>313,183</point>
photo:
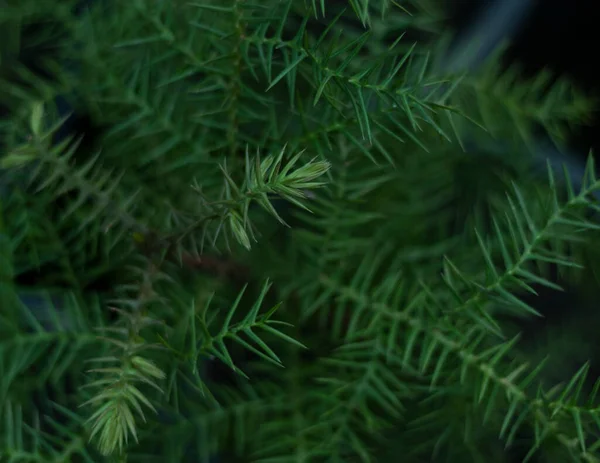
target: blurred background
<point>561,35</point>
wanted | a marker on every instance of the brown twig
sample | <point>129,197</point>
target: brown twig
<point>222,267</point>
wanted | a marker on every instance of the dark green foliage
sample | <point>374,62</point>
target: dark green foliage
<point>280,243</point>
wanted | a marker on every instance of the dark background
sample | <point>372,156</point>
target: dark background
<point>563,35</point>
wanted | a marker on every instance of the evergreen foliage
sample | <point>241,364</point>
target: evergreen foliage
<point>288,241</point>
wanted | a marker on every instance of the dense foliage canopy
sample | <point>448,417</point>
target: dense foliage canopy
<point>291,236</point>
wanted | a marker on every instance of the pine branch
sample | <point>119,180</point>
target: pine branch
<point>525,247</point>
<point>448,340</point>
<point>230,421</point>
<point>113,421</point>
<point>51,342</point>
<point>27,442</point>
<point>263,178</point>
<point>351,403</point>
<point>153,109</point>
<point>52,351</point>
<point>52,168</point>
<point>439,343</point>
<point>195,339</point>
<point>378,87</point>
<point>301,440</point>
<point>365,10</point>
<point>328,236</point>
<point>507,103</point>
